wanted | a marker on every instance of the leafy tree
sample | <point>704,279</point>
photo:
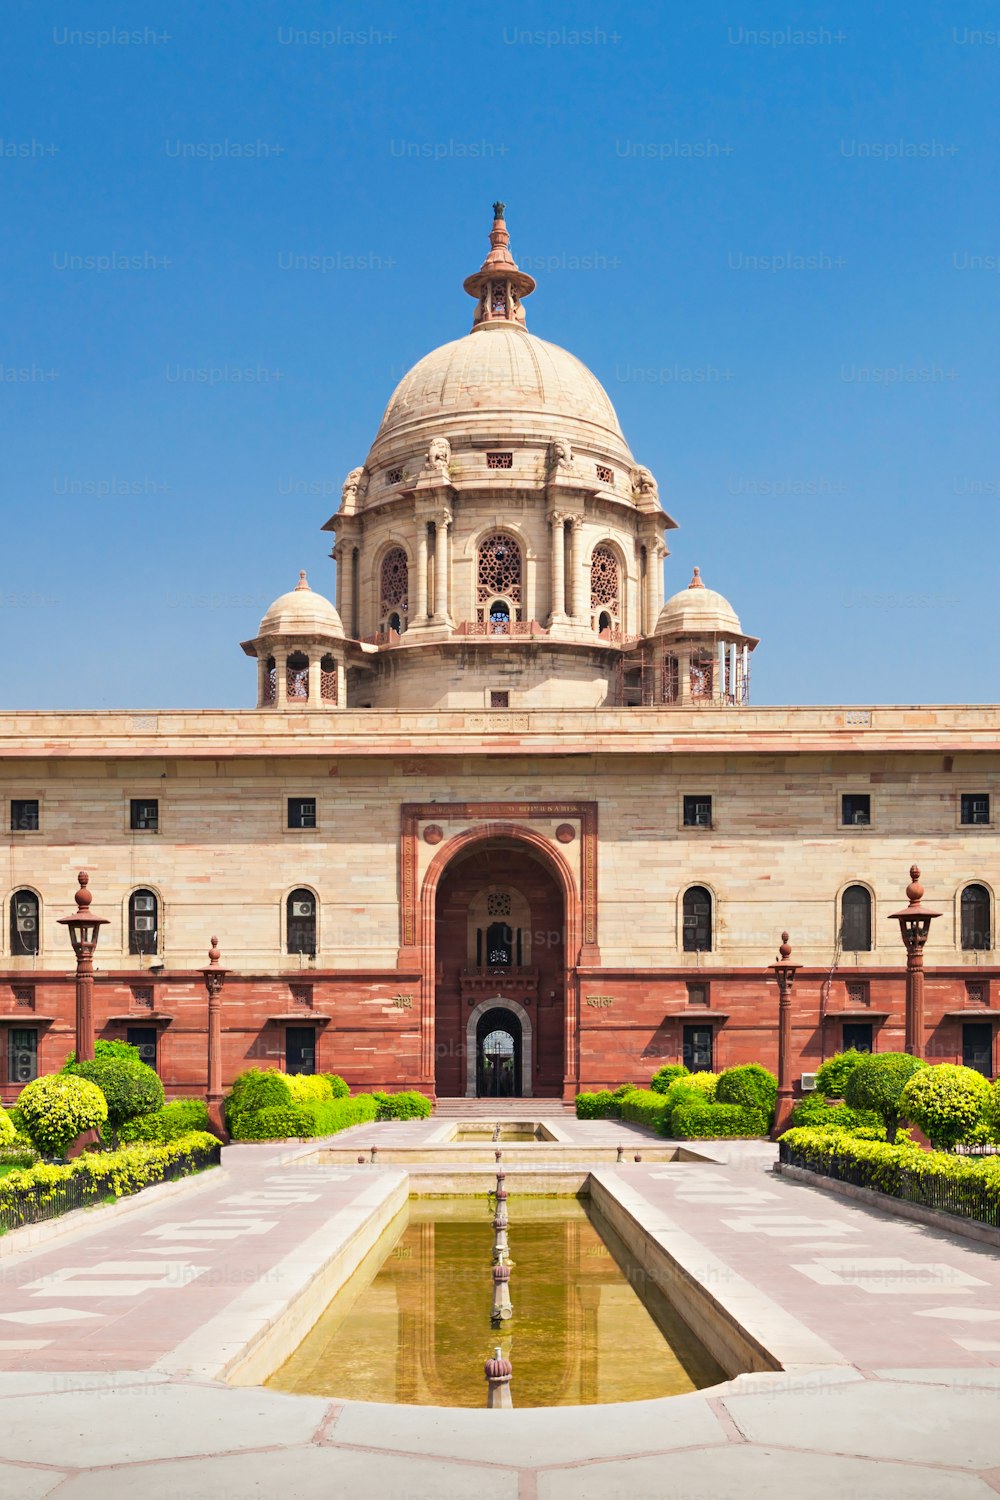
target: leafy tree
<point>878,1082</point>
<point>832,1076</point>
<point>130,1087</point>
<point>104,1048</point>
<point>946,1102</point>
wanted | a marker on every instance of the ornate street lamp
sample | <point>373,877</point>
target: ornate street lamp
<point>215,978</point>
<point>84,929</point>
<point>914,926</point>
<point>784,972</point>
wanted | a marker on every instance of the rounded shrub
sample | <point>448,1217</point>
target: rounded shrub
<point>945,1102</point>
<point>306,1088</point>
<point>750,1086</point>
<point>832,1075</point>
<point>58,1108</point>
<point>665,1076</point>
<point>7,1131</point>
<point>124,1051</point>
<point>877,1083</point>
<point>594,1106</point>
<point>130,1087</point>
<point>257,1088</point>
<point>338,1088</point>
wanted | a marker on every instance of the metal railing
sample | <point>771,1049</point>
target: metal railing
<point>966,1196</point>
<point>45,1200</point>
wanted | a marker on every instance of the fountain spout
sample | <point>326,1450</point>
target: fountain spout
<point>498,1371</point>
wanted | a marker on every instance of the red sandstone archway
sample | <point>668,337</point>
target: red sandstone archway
<point>504,854</point>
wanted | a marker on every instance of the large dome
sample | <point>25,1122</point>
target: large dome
<point>499,379</point>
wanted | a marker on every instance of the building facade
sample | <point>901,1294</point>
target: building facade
<point>503,820</point>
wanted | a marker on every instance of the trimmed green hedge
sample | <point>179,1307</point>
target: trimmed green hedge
<point>696,1120</point>
<point>179,1117</point>
<point>832,1076</point>
<point>751,1086</point>
<point>599,1106</point>
<point>965,1185</point>
<point>814,1110</point>
<point>665,1076</point>
<point>408,1104</point>
<point>41,1192</point>
<point>643,1107</point>
<point>286,1121</point>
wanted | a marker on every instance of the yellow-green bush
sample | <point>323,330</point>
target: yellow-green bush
<point>59,1107</point>
<point>309,1088</point>
<point>7,1132</point>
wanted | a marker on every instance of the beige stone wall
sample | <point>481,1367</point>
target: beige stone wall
<point>224,862</point>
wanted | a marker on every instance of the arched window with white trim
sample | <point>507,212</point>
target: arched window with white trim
<point>697,920</point>
<point>300,922</point>
<point>25,924</point>
<point>976,918</point>
<point>856,919</point>
<point>143,922</point>
<point>605,589</point>
<point>394,590</point>
<point>499,582</point>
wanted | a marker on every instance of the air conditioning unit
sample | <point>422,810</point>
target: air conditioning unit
<point>27,924</point>
<point>25,908</point>
<point>862,818</point>
<point>145,924</point>
<point>703,820</point>
<point>980,812</point>
<point>144,903</point>
<point>808,1082</point>
<point>24,1070</point>
<point>302,908</point>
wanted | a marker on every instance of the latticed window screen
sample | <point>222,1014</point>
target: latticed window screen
<point>297,676</point>
<point>394,476</point>
<point>328,679</point>
<point>498,297</point>
<point>395,581</point>
<point>270,682</point>
<point>670,690</point>
<point>702,676</point>
<point>499,568</point>
<point>142,996</point>
<point>858,992</point>
<point>499,904</point>
<point>977,992</point>
<point>605,475</point>
<point>605,584</point>
<point>499,460</point>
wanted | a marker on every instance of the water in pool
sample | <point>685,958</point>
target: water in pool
<point>412,1325</point>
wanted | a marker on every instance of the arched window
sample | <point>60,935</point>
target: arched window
<point>604,622</point>
<point>270,683</point>
<point>976,914</point>
<point>300,925</point>
<point>394,588</point>
<point>499,617</point>
<point>143,922</point>
<point>25,924</point>
<point>499,570</point>
<point>297,676</point>
<point>328,679</point>
<point>856,920</point>
<point>605,582</point>
<point>697,920</point>
<point>499,946</point>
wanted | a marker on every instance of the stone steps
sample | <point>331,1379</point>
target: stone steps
<point>501,1109</point>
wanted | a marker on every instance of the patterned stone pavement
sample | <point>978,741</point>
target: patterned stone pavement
<point>107,1388</point>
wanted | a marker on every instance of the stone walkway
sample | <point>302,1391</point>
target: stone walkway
<point>108,1337</point>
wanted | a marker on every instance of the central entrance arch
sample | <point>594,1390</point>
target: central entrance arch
<point>502,918</point>
<point>498,1051</point>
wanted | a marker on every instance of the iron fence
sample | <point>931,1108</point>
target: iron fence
<point>965,1197</point>
<point>41,1201</point>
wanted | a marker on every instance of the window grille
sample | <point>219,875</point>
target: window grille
<point>605,475</point>
<point>499,460</point>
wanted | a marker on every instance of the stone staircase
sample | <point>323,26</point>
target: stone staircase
<point>501,1109</point>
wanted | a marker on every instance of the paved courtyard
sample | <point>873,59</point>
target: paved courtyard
<point>112,1337</point>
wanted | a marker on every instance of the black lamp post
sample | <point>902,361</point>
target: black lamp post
<point>84,930</point>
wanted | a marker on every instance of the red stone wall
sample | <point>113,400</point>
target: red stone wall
<point>374,1042</point>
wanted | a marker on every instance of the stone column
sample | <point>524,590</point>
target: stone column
<point>420,582</point>
<point>441,523</point>
<point>576,572</point>
<point>281,679</point>
<point>557,603</point>
<point>345,587</point>
<point>261,679</point>
<point>314,699</point>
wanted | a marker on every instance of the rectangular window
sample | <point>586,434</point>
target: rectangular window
<point>977,1046</point>
<point>22,1055</point>
<point>499,700</point>
<point>300,1049</point>
<point>697,1049</point>
<point>302,995</point>
<point>394,476</point>
<point>856,809</point>
<point>605,475</point>
<point>977,992</point>
<point>24,996</point>
<point>499,460</point>
<point>143,1037</point>
<point>142,996</point>
<point>858,993</point>
<point>697,812</point>
<point>144,814</point>
<point>697,994</point>
<point>975,809</point>
<point>858,1034</point>
<point>24,815</point>
<point>302,812</point>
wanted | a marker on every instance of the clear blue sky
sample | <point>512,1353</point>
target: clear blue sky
<point>825,431</point>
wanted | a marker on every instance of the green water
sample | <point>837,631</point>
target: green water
<point>515,1132</point>
<point>413,1323</point>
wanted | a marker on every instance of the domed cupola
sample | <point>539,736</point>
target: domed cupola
<point>299,648</point>
<point>702,652</point>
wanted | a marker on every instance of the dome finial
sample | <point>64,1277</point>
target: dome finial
<point>499,285</point>
<point>302,584</point>
<point>696,582</point>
